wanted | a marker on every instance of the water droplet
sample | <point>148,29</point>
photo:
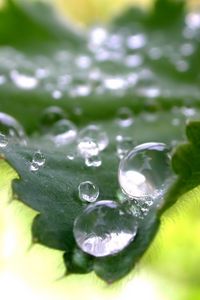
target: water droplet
<point>93,161</point>
<point>145,172</point>
<point>87,147</point>
<point>39,158</point>
<point>95,134</point>
<point>83,62</point>
<point>124,117</point>
<point>11,128</point>
<point>38,161</point>
<point>103,230</point>
<point>62,132</point>
<point>2,79</point>
<point>23,81</point>
<point>136,41</point>
<point>134,61</point>
<point>187,49</point>
<point>50,116</point>
<point>88,191</point>
<point>56,94</point>
<point>124,145</point>
<point>3,141</point>
<point>114,83</point>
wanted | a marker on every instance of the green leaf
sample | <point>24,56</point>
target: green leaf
<point>153,89</point>
<point>186,164</point>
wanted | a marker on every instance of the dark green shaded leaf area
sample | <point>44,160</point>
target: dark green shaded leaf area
<point>186,164</point>
<point>161,88</point>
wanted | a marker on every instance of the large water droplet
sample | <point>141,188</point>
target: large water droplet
<point>104,229</point>
<point>11,128</point>
<point>88,191</point>
<point>145,172</point>
<point>95,134</point>
<point>87,147</point>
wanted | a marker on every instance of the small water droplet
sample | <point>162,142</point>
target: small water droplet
<point>23,81</point>
<point>56,94</point>
<point>88,191</point>
<point>94,134</point>
<point>124,145</point>
<point>145,172</point>
<point>136,41</point>
<point>102,229</point>
<point>3,141</point>
<point>50,116</point>
<point>124,117</point>
<point>93,161</point>
<point>62,132</point>
<point>70,156</point>
<point>39,158</point>
<point>38,161</point>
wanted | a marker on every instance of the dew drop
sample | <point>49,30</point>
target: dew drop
<point>136,41</point>
<point>87,147</point>
<point>96,135</point>
<point>3,141</point>
<point>102,229</point>
<point>39,158</point>
<point>124,117</point>
<point>23,81</point>
<point>62,132</point>
<point>145,172</point>
<point>88,191</point>
<point>93,161</point>
<point>11,128</point>
<point>50,116</point>
<point>124,145</point>
<point>38,161</point>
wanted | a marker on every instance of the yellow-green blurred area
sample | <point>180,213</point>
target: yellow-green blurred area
<point>89,11</point>
<point>94,11</point>
<point>170,270</point>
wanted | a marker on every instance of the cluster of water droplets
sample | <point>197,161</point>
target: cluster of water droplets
<point>116,62</point>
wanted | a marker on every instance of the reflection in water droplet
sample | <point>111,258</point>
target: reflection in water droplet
<point>124,117</point>
<point>3,141</point>
<point>102,229</point>
<point>145,172</point>
<point>88,191</point>
<point>95,134</point>
<point>11,128</point>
